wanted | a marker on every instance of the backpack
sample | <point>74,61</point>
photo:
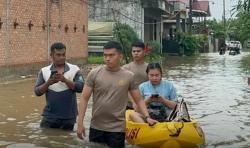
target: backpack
<point>180,113</point>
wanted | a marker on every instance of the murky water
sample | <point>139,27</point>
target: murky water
<point>214,86</point>
<point>216,90</point>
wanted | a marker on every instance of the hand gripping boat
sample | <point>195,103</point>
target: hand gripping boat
<point>179,131</point>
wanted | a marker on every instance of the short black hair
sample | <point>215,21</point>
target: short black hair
<point>57,46</point>
<point>154,66</point>
<point>113,44</point>
<point>139,44</point>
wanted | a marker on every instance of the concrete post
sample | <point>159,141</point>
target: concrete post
<point>7,59</point>
<point>48,27</point>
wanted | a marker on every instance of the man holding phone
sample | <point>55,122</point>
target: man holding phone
<point>59,81</point>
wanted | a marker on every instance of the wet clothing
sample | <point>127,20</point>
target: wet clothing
<point>60,100</point>
<point>110,93</point>
<point>140,75</point>
<point>165,89</point>
<point>65,124</point>
<point>112,139</point>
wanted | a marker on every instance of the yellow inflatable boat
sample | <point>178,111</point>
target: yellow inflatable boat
<point>164,134</point>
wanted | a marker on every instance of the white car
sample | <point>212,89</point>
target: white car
<point>235,44</point>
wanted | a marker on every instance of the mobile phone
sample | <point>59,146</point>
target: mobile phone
<point>53,72</point>
<point>155,95</point>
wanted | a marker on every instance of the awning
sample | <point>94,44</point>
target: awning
<point>100,27</point>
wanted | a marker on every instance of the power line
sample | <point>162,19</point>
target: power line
<point>94,5</point>
<point>143,22</point>
<point>126,15</point>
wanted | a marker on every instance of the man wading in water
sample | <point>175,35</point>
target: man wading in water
<point>110,85</point>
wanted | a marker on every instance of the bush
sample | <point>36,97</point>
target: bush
<point>95,59</point>
<point>154,51</point>
<point>156,47</point>
<point>124,34</point>
<point>189,43</point>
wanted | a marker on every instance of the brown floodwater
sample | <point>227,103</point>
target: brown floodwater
<point>214,86</point>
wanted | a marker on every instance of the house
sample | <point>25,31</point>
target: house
<point>200,12</point>
<point>144,16</point>
<point>180,21</point>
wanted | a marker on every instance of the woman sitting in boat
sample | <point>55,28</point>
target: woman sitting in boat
<point>159,95</point>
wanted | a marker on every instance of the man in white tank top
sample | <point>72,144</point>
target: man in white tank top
<point>60,81</point>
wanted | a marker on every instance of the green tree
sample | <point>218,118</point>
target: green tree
<point>243,5</point>
<point>239,28</point>
<point>124,34</point>
<point>217,28</point>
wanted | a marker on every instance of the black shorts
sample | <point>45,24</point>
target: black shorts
<point>129,108</point>
<point>129,105</point>
<point>112,139</point>
<point>65,124</point>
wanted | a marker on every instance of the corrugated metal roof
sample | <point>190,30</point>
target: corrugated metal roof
<point>100,27</point>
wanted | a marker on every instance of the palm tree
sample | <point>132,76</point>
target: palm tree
<point>243,5</point>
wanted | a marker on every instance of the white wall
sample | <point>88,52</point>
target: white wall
<point>130,13</point>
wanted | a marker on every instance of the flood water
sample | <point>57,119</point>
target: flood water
<point>214,86</point>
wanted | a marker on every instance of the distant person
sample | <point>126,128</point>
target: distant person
<point>59,81</point>
<point>223,48</point>
<point>159,95</point>
<point>109,85</point>
<point>248,80</point>
<point>137,66</point>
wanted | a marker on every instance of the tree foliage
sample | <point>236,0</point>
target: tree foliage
<point>243,5</point>
<point>124,34</point>
<point>239,27</point>
<point>217,28</point>
<point>189,43</point>
<point>154,50</point>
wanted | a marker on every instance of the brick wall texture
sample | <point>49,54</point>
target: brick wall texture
<point>21,44</point>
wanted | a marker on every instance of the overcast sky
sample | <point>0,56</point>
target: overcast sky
<point>217,8</point>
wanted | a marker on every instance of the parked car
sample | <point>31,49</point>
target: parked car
<point>234,46</point>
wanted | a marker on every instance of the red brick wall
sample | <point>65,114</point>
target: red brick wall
<point>31,46</point>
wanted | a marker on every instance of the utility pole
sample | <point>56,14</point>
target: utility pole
<point>190,16</point>
<point>48,27</point>
<point>7,58</point>
<point>224,15</point>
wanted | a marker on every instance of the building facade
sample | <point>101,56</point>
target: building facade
<point>28,28</point>
<point>144,16</point>
<point>124,11</point>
